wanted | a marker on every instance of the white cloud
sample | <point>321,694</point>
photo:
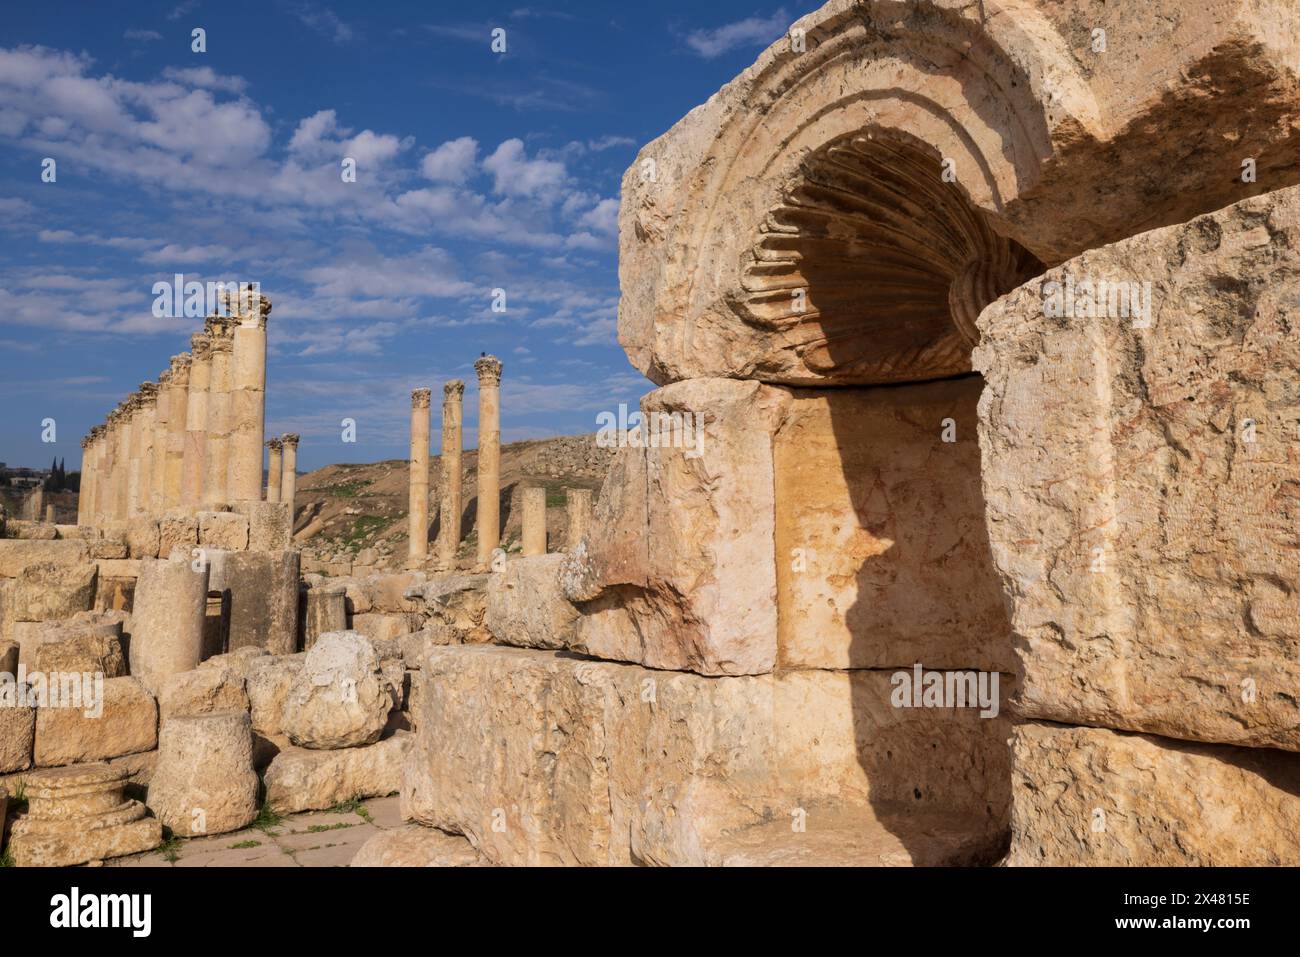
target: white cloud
<point>207,78</point>
<point>452,162</point>
<point>752,31</point>
<point>603,217</point>
<point>516,175</point>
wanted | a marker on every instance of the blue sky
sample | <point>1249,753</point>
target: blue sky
<point>475,170</point>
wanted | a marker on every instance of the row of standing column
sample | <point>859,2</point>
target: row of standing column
<point>488,514</point>
<point>192,438</point>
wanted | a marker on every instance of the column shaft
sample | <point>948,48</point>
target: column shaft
<point>216,458</point>
<point>177,424</point>
<point>418,508</point>
<point>273,469</point>
<point>289,472</point>
<point>247,402</point>
<point>489,457</point>
<point>449,509</point>
<point>534,521</point>
<point>194,463</point>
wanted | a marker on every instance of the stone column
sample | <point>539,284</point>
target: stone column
<point>579,507</point>
<point>534,521</point>
<point>450,507</point>
<point>101,473</point>
<point>83,494</point>
<point>49,514</point>
<point>158,457</point>
<point>216,456</point>
<point>143,450</point>
<point>247,402</point>
<point>177,424</point>
<point>131,456</point>
<point>418,508</point>
<point>171,601</point>
<point>107,498</point>
<point>273,466</point>
<point>488,520</point>
<point>289,473</point>
<point>122,492</point>
<point>194,462</point>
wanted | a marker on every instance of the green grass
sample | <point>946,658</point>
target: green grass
<point>243,845</point>
<point>352,806</point>
<point>318,828</point>
<point>6,859</point>
<point>18,800</point>
<point>363,526</point>
<point>171,846</point>
<point>266,819</point>
<point>349,489</point>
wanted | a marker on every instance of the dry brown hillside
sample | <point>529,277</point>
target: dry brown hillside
<point>343,510</point>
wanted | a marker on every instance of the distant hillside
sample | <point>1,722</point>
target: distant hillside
<point>348,508</point>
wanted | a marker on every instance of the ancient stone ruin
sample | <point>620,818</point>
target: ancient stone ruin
<point>962,526</point>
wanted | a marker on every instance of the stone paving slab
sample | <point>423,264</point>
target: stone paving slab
<point>310,839</point>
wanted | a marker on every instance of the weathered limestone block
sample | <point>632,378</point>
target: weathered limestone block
<point>78,814</point>
<point>269,681</point>
<point>1142,480</point>
<point>17,730</point>
<point>126,721</point>
<point>325,610</point>
<point>457,608</point>
<point>108,549</point>
<point>17,554</point>
<point>340,698</point>
<point>601,763</point>
<point>678,571</point>
<point>116,581</point>
<point>178,531</point>
<point>883,559</point>
<point>80,647</point>
<point>527,607</point>
<point>204,782</point>
<point>202,691</point>
<point>304,780</point>
<point>225,530</point>
<point>387,592</point>
<point>797,228</point>
<point>33,531</point>
<point>416,846</point>
<point>48,590</point>
<point>263,590</point>
<point>382,626</point>
<point>167,620</point>
<point>143,538</point>
<point>1089,796</point>
<point>270,526</point>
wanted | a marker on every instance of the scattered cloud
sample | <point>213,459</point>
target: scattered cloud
<point>749,32</point>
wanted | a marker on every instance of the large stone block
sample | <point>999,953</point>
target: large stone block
<point>270,526</point>
<point>202,691</point>
<point>1088,796</point>
<point>305,780</point>
<point>17,729</point>
<point>142,538</point>
<point>224,530</point>
<point>539,757</point>
<point>204,782</point>
<point>46,591</point>
<point>1142,479</point>
<point>84,646</point>
<point>526,605</point>
<point>340,698</point>
<point>124,723</point>
<point>269,681</point>
<point>678,571</point>
<point>178,531</point>
<point>882,556</point>
<point>415,846</point>
<point>263,589</point>
<point>324,610</point>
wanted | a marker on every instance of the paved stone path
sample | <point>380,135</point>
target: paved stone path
<point>310,839</point>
